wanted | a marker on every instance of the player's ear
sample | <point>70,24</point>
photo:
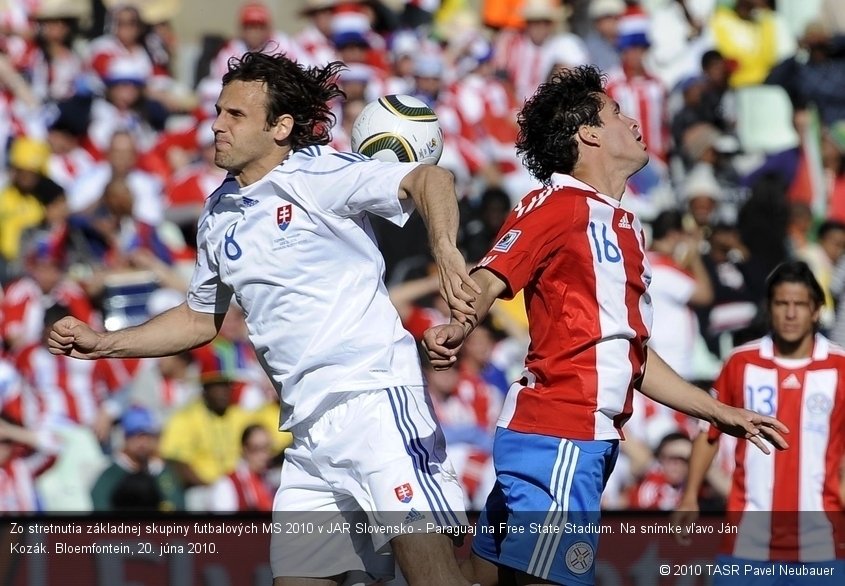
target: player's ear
<point>589,135</point>
<point>283,127</point>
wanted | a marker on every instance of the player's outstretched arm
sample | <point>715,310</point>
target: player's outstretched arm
<point>174,331</point>
<point>703,453</point>
<point>442,343</point>
<point>665,386</point>
<point>433,192</point>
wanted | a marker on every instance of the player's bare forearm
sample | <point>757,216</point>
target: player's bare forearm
<point>490,286</point>
<point>174,331</point>
<point>665,386</point>
<point>433,192</point>
<point>171,332</point>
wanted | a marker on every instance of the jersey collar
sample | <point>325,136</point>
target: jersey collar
<point>561,180</point>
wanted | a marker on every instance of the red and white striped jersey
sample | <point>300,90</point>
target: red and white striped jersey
<point>643,98</point>
<point>24,305</point>
<point>67,388</point>
<point>786,505</point>
<point>581,259</point>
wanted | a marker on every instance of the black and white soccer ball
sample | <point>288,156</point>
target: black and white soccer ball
<point>398,128</point>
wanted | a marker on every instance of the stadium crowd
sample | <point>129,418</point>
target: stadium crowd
<point>107,158</point>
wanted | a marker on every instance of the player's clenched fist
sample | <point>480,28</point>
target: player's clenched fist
<point>442,344</point>
<point>74,338</point>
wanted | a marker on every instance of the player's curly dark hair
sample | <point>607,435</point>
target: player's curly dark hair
<point>550,119</point>
<point>302,92</point>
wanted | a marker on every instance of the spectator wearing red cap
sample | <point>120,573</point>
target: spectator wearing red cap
<point>256,33</point>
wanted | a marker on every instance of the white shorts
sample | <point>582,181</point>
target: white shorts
<point>373,466</point>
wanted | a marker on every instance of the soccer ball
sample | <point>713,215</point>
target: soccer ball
<point>398,128</point>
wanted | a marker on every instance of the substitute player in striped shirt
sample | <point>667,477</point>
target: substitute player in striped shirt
<point>788,509</point>
<point>288,235</point>
<point>581,260</point>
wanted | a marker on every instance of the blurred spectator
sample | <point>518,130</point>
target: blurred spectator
<point>186,190</point>
<point>640,95</point>
<point>67,129</point>
<point>481,227</point>
<point>245,488</point>
<point>124,108</point>
<point>763,220</point>
<point>69,390</point>
<point>419,305</point>
<point>813,76</point>
<point>750,35</point>
<point>602,40</point>
<point>43,285</point>
<point>137,473</point>
<point>25,195</point>
<point>736,278</point>
<point>113,237</point>
<point>203,438</point>
<point>358,46</point>
<point>50,62</point>
<point>24,455</point>
<point>703,196</point>
<point>124,42</point>
<point>121,163</point>
<point>255,33</point>
<point>679,283</point>
<point>662,486</point>
<point>822,256</point>
<point>315,37</point>
<point>527,56</point>
<point>165,385</point>
<point>403,47</point>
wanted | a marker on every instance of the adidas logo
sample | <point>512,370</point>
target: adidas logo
<point>624,223</point>
<point>248,203</point>
<point>413,517</point>
<point>791,382</point>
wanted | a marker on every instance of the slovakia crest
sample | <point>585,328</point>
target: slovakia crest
<point>284,216</point>
<point>404,493</point>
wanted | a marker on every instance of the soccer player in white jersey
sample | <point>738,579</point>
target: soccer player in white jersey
<point>288,235</point>
<point>788,509</point>
<point>580,258</point>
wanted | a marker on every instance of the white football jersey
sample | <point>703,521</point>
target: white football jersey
<point>297,250</point>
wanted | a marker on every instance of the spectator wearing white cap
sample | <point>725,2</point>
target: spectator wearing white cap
<point>50,63</point>
<point>601,40</point>
<point>403,47</point>
<point>527,56</point>
<point>124,106</point>
<point>639,94</point>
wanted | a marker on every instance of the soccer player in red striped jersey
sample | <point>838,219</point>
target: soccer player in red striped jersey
<point>580,257</point>
<point>788,509</point>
